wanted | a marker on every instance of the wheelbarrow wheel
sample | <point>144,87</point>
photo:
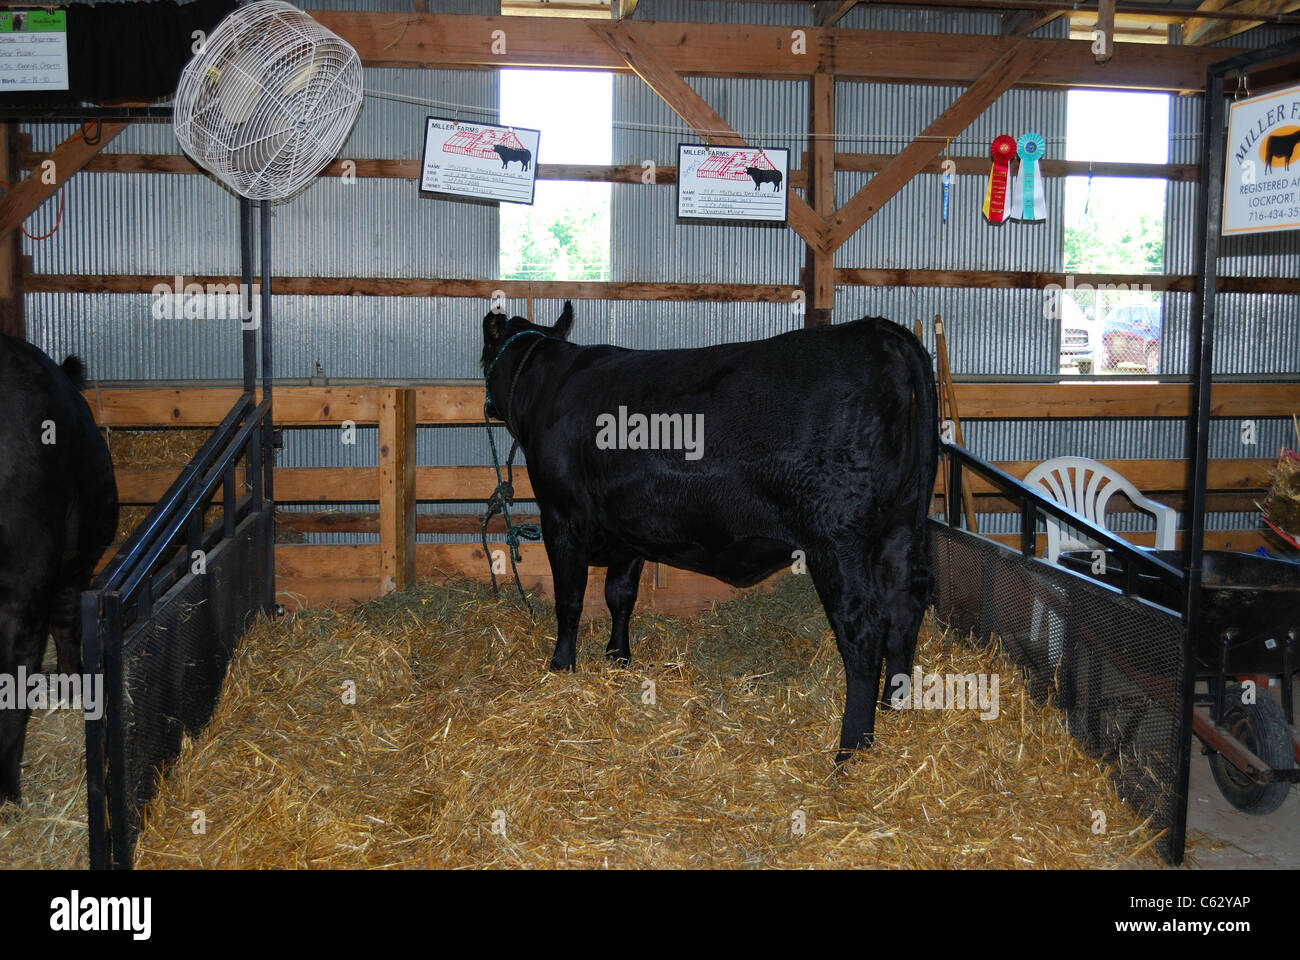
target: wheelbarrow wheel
<point>1262,727</point>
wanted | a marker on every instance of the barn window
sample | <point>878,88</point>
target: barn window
<point>1114,225</point>
<point>564,235</point>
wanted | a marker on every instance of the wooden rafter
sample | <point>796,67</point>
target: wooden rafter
<point>1201,31</point>
<point>829,13</point>
<point>1021,23</point>
<point>692,108</point>
<point>68,158</point>
<point>455,41</point>
<point>1000,77</point>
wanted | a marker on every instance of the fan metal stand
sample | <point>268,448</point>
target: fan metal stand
<point>269,439</point>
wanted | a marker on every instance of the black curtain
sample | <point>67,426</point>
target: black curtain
<point>127,51</point>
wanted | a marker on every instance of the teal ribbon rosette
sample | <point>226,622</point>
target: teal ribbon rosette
<point>1028,198</point>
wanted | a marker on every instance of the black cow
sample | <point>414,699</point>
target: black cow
<point>510,155</point>
<point>820,440</point>
<point>761,176</point>
<point>1278,147</point>
<point>58,510</point>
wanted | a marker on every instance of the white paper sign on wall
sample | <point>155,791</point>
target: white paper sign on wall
<point>480,160</point>
<point>1261,189</point>
<point>732,183</point>
<point>33,50</point>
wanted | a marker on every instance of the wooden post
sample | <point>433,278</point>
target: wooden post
<point>1105,27</point>
<point>820,273</point>
<point>397,421</point>
<point>12,320</point>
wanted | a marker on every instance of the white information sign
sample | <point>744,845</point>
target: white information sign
<point>1261,188</point>
<point>33,50</point>
<point>732,183</point>
<point>480,160</point>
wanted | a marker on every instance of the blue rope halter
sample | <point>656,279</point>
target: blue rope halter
<point>515,532</point>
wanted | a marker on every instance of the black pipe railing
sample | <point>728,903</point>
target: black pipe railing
<point>1136,560</point>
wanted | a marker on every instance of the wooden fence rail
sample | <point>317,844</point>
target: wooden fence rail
<point>332,574</point>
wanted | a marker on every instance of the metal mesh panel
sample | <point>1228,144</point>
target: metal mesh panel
<point>173,664</point>
<point>1112,664</point>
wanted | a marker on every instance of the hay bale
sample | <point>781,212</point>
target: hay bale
<point>162,447</point>
<point>463,750</point>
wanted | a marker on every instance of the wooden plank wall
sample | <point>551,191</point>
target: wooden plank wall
<point>315,575</point>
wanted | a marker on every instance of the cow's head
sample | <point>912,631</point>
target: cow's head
<point>497,329</point>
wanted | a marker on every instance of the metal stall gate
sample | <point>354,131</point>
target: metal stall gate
<point>164,618</point>
<point>1111,662</point>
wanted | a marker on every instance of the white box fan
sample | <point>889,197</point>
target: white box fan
<point>268,100</point>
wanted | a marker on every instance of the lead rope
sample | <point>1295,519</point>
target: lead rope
<point>504,493</point>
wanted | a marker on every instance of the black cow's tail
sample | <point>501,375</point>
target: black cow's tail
<point>75,370</point>
<point>925,418</point>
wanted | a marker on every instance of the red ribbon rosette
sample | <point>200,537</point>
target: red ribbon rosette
<point>1002,150</point>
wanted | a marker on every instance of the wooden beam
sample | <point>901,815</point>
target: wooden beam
<point>455,41</point>
<point>692,108</point>
<point>1021,23</point>
<point>460,404</point>
<point>1000,76</point>
<point>831,12</point>
<point>369,168</point>
<point>69,157</point>
<point>1194,24</point>
<point>1202,32</point>
<point>665,174</point>
<point>310,575</point>
<point>396,488</point>
<point>820,164</point>
<point>424,287</point>
<point>144,485</point>
<point>1069,401</point>
<point>1031,280</point>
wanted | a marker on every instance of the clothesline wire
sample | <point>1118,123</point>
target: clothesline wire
<point>749,135</point>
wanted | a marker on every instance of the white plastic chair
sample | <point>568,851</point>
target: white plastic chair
<point>1084,486</point>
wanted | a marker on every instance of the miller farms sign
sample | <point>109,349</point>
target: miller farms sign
<point>1262,178</point>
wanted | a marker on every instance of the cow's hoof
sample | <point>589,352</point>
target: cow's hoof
<point>619,658</point>
<point>569,665</point>
<point>848,753</point>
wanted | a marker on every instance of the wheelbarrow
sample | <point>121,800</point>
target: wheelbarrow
<point>1250,634</point>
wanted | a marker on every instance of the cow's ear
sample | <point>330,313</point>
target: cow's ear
<point>494,326</point>
<point>563,325</point>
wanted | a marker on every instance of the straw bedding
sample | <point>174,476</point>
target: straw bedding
<point>462,750</point>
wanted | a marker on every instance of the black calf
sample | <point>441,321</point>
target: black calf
<point>727,459</point>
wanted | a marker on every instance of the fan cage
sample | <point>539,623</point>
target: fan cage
<point>269,100</point>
